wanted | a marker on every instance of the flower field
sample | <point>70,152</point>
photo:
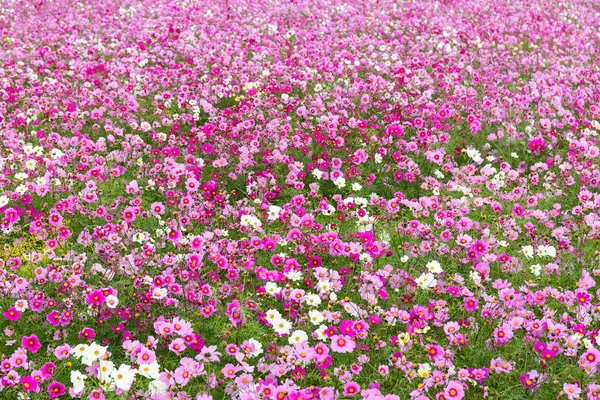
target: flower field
<point>301,199</point>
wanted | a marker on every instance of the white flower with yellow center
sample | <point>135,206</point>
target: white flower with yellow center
<point>434,267</point>
<point>78,381</point>
<point>273,315</point>
<point>150,370</point>
<point>312,300</point>
<point>281,326</point>
<point>527,251</point>
<point>315,317</point>
<point>123,377</point>
<point>298,336</point>
<point>426,280</point>
<point>272,288</point>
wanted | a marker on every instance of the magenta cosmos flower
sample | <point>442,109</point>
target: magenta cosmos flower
<point>96,298</point>
<point>31,343</point>
<point>12,314</point>
<point>55,389</point>
<point>29,384</point>
<point>175,235</point>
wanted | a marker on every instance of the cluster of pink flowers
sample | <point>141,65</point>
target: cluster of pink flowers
<point>299,200</point>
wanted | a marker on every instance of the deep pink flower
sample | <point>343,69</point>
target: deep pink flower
<point>54,318</point>
<point>12,314</point>
<point>47,370</point>
<point>96,298</point>
<point>87,333</point>
<point>31,343</point>
<point>29,384</point>
<point>55,389</point>
<point>471,304</point>
<point>527,381</point>
<point>207,148</point>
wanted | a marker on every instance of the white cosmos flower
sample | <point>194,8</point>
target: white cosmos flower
<point>546,251</point>
<point>282,326</point>
<point>434,267</point>
<point>157,386</point>
<point>340,182</point>
<point>315,317</point>
<point>324,286</point>
<point>79,350</point>
<point>527,251</point>
<point>93,353</point>
<point>273,315</point>
<point>78,381</point>
<point>159,293</point>
<point>150,370</point>
<point>426,280</point>
<point>273,212</point>
<point>123,377</point>
<point>105,368</point>
<point>312,300</point>
<point>320,332</point>
<point>112,301</point>
<point>30,164</point>
<point>272,288</point>
<point>293,275</point>
<point>298,336</point>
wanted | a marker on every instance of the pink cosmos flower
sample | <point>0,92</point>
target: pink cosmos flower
<point>351,389</point>
<point>342,344</point>
<point>230,371</point>
<point>383,370</point>
<point>62,352</point>
<point>129,214</point>
<point>55,219</point>
<point>528,381</point>
<point>47,370</point>
<point>96,394</point>
<point>454,390</point>
<point>572,390</point>
<point>207,148</point>
<point>590,358</point>
<point>177,345</point>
